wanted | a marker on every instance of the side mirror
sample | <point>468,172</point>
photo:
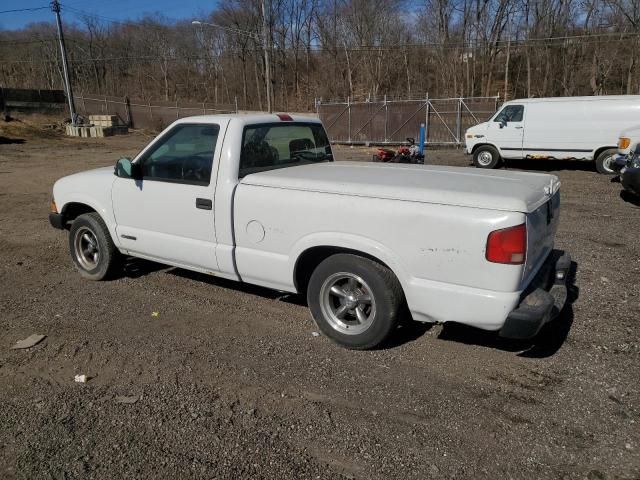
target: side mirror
<point>126,169</point>
<point>503,123</point>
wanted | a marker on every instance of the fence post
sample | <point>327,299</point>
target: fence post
<point>150,111</point>
<point>106,105</point>
<point>84,106</point>
<point>177,110</point>
<point>204,110</point>
<point>426,120</point>
<point>386,118</point>
<point>349,116</point>
<point>127,105</point>
<point>459,120</point>
<point>235,99</point>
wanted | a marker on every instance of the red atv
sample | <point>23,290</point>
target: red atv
<point>404,154</point>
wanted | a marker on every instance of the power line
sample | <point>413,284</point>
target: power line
<point>23,42</point>
<point>24,10</point>
<point>155,58</point>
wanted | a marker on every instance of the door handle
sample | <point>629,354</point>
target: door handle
<point>204,203</point>
<point>518,127</point>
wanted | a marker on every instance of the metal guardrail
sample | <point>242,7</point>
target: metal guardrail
<point>393,121</point>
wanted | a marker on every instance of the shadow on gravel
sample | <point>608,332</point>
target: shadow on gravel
<point>240,287</point>
<point>545,344</point>
<point>11,141</point>
<point>551,165</point>
<point>630,198</point>
<point>407,332</point>
<point>137,267</point>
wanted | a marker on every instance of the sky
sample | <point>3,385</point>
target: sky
<point>113,9</point>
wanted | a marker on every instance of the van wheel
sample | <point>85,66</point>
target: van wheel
<point>355,301</point>
<point>604,161</point>
<point>486,157</point>
<point>92,250</point>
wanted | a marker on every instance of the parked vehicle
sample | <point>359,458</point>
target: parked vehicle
<point>567,128</point>
<point>627,163</point>
<point>259,199</point>
<point>405,154</point>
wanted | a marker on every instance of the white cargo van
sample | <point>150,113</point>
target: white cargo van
<point>579,128</point>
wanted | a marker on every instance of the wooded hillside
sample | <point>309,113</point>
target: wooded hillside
<point>340,48</point>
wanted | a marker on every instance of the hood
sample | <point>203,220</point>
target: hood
<point>479,128</point>
<point>88,182</point>
<point>459,186</point>
<point>632,132</point>
<point>91,175</point>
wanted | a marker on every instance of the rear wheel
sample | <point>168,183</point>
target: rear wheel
<point>604,161</point>
<point>92,250</point>
<point>354,301</point>
<point>486,156</point>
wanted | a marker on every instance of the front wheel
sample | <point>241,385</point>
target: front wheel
<point>92,249</point>
<point>604,162</point>
<point>355,301</point>
<point>486,156</point>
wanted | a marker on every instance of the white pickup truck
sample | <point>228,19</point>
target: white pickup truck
<point>259,199</point>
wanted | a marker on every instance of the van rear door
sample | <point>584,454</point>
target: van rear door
<point>506,130</point>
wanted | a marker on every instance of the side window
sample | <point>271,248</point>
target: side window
<point>510,113</point>
<point>271,146</point>
<point>183,155</point>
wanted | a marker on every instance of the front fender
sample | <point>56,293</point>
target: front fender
<point>92,189</point>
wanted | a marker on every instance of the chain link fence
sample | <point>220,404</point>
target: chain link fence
<point>393,121</point>
<point>151,114</point>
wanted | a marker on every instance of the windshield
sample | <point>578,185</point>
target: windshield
<point>278,145</point>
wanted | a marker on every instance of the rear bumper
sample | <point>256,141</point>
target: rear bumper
<point>57,220</point>
<point>542,301</point>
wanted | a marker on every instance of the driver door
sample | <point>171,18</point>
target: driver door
<point>168,215</point>
<point>506,130</point>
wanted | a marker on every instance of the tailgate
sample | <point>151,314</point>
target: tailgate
<point>542,224</point>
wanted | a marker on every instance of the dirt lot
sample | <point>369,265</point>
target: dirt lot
<point>229,382</point>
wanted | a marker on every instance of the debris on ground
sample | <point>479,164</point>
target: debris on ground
<point>81,378</point>
<point>127,399</point>
<point>315,334</point>
<point>155,314</point>
<point>30,341</point>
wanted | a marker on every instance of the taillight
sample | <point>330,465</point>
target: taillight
<point>285,117</point>
<point>508,245</point>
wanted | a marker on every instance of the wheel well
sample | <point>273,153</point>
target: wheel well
<point>312,257</point>
<point>597,153</point>
<point>476,147</point>
<point>73,210</point>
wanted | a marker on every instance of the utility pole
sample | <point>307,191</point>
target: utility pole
<point>267,68</point>
<point>55,8</point>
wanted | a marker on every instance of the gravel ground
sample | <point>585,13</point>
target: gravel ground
<point>228,381</point>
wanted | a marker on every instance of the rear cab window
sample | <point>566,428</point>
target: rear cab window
<point>269,146</point>
<point>510,113</point>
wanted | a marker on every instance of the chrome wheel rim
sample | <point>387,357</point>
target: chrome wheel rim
<point>485,158</point>
<point>347,303</point>
<point>606,164</point>
<point>86,248</point>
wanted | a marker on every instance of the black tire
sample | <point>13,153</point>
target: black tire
<point>486,156</point>
<point>603,160</point>
<point>378,282</point>
<point>88,236</point>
